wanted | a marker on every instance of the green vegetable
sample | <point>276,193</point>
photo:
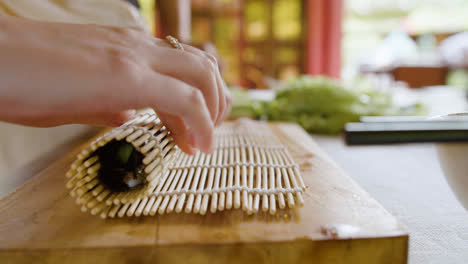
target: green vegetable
<point>124,152</point>
<point>243,105</point>
<point>320,104</point>
<point>122,168</point>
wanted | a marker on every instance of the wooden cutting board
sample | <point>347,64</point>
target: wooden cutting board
<point>339,223</point>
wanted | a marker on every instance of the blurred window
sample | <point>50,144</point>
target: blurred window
<point>254,37</point>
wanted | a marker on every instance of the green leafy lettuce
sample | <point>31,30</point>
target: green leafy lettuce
<point>320,104</point>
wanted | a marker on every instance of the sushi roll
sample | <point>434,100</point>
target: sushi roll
<point>122,166</point>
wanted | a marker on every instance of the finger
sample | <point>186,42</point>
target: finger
<point>106,119</point>
<point>228,105</point>
<point>113,119</point>
<point>169,95</point>
<point>178,130</point>
<point>219,81</point>
<point>221,86</point>
<point>192,69</point>
<point>222,94</point>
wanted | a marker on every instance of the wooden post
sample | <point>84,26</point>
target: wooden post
<point>332,38</point>
<point>173,18</point>
<point>314,44</point>
<point>323,42</point>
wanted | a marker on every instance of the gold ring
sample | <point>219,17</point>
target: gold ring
<point>174,42</point>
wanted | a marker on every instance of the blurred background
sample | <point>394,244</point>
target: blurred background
<point>283,39</point>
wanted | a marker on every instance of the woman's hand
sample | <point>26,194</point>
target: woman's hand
<point>53,74</point>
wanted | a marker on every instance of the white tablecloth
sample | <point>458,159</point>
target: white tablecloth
<point>407,181</point>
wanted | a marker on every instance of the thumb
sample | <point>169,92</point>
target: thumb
<point>108,119</point>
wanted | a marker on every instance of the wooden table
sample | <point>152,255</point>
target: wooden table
<point>339,223</point>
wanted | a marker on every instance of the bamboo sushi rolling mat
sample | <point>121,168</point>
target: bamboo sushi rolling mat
<point>249,170</point>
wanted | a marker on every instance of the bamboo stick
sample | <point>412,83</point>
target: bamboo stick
<point>181,200</point>
<point>207,189</point>
<point>178,181</point>
<point>214,198</point>
<point>193,188</point>
<point>201,186</point>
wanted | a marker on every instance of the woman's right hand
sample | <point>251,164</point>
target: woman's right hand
<point>53,74</point>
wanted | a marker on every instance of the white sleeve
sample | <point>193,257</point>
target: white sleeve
<point>100,12</point>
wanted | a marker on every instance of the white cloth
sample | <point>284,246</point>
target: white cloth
<point>101,12</point>
<point>20,145</point>
<point>408,182</point>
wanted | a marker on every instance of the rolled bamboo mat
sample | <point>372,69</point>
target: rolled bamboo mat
<point>248,170</point>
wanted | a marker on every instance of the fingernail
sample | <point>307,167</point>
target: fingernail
<point>130,113</point>
<point>201,145</point>
<point>193,151</point>
<point>191,138</point>
<point>210,148</point>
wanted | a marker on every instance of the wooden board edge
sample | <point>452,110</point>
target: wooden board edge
<point>353,251</point>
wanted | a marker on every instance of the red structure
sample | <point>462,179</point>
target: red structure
<point>323,44</point>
